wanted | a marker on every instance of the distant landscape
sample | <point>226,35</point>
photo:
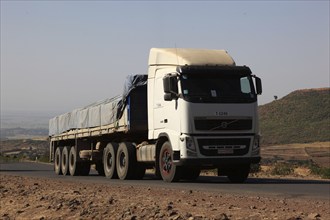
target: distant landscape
<point>24,125</point>
<point>26,119</point>
<point>23,133</point>
<point>303,116</point>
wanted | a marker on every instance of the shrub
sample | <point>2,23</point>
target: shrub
<point>323,172</point>
<point>282,169</point>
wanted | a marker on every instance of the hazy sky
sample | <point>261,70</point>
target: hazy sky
<point>58,55</point>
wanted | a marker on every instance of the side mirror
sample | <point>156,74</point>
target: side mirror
<point>170,83</point>
<point>258,85</point>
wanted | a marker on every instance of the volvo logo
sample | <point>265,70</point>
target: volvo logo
<point>224,125</point>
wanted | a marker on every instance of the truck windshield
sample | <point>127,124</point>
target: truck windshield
<point>217,88</point>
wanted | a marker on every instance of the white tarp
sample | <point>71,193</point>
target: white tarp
<point>53,126</point>
<point>101,113</point>
<point>82,119</point>
<point>111,108</point>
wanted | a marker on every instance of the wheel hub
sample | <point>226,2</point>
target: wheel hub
<point>122,160</point>
<point>167,162</point>
<point>109,161</point>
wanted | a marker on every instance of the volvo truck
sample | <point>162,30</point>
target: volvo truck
<point>195,109</point>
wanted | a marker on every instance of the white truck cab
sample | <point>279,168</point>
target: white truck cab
<point>202,109</point>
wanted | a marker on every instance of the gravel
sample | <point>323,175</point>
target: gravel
<point>41,198</point>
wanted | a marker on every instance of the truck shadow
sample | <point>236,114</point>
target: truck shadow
<point>22,170</point>
<point>48,168</point>
<point>252,180</point>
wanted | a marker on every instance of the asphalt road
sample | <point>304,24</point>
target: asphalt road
<point>287,188</point>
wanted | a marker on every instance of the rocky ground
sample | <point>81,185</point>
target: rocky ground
<point>33,198</point>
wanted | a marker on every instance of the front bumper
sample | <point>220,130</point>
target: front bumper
<point>205,162</point>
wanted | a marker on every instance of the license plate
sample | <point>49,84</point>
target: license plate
<point>225,151</point>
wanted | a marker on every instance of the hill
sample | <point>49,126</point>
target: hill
<point>303,116</point>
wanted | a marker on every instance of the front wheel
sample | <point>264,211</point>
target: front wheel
<point>168,170</point>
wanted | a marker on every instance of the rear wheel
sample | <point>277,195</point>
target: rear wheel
<point>168,170</point>
<point>109,160</point>
<point>81,168</point>
<point>58,161</point>
<point>65,161</point>
<point>126,161</point>
<point>73,162</point>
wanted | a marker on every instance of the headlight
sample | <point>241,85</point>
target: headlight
<point>190,144</point>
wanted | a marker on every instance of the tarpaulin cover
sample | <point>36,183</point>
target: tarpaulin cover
<point>101,113</point>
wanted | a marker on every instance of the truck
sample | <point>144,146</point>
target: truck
<point>194,110</point>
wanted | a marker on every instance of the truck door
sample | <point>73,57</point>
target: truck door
<point>166,116</point>
<point>159,114</point>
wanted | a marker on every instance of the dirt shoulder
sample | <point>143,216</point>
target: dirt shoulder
<point>318,152</point>
<point>38,198</point>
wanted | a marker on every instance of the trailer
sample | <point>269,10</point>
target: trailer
<point>195,109</point>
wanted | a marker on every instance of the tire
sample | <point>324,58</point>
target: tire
<point>109,160</point>
<point>126,161</point>
<point>168,170</point>
<point>190,173</point>
<point>239,174</point>
<point>58,161</point>
<point>73,162</point>
<point>65,161</point>
<point>81,168</point>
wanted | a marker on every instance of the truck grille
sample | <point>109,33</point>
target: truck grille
<point>224,147</point>
<point>222,124</point>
